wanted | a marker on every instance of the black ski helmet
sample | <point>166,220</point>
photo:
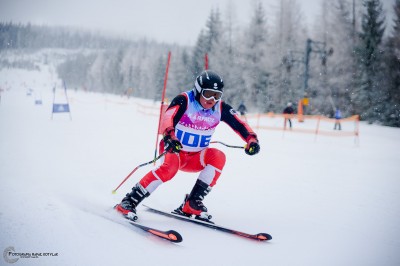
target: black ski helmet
<point>208,80</point>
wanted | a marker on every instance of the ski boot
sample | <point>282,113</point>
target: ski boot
<point>128,205</point>
<point>193,203</point>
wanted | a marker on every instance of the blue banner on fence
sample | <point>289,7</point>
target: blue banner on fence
<point>60,108</point>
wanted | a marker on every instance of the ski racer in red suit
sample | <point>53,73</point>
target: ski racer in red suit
<point>189,123</point>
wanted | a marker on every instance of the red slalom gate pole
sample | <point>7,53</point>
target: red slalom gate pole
<point>162,103</point>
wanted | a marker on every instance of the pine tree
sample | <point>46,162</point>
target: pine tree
<point>158,77</point>
<point>197,65</point>
<point>341,65</point>
<point>223,56</point>
<point>392,71</point>
<point>371,94</point>
<point>255,70</point>
<point>213,31</point>
<point>228,58</point>
<point>180,77</point>
<point>94,77</point>
<point>113,76</point>
<point>207,43</point>
<point>288,39</point>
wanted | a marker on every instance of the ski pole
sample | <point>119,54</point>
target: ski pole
<point>137,167</point>
<point>229,146</point>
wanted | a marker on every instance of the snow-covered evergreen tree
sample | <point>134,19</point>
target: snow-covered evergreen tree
<point>208,43</point>
<point>286,54</point>
<point>255,71</point>
<point>112,77</point>
<point>392,71</point>
<point>224,53</point>
<point>371,94</point>
<point>94,78</point>
<point>158,77</point>
<point>199,51</point>
<point>213,31</point>
<point>340,34</point>
<point>180,77</point>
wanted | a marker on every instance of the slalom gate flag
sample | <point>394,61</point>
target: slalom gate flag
<point>61,105</point>
<point>162,106</point>
<point>60,108</point>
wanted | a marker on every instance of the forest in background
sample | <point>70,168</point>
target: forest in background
<point>350,60</point>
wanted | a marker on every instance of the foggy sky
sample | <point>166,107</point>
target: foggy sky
<point>171,21</point>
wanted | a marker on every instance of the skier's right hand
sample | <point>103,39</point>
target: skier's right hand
<point>171,142</point>
<point>252,146</point>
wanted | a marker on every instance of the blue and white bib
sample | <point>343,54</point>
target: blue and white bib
<point>197,125</point>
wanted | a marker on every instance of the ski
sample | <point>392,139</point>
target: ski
<point>259,236</point>
<point>170,235</point>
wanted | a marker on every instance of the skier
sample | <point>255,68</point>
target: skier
<point>288,112</point>
<point>188,125</point>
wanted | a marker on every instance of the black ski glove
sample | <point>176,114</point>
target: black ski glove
<point>252,146</point>
<point>172,144</point>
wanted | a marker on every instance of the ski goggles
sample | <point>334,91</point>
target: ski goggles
<point>208,94</point>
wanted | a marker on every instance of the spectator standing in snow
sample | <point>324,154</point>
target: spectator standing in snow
<point>242,110</point>
<point>338,116</point>
<point>288,112</point>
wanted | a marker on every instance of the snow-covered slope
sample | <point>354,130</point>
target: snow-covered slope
<point>324,201</point>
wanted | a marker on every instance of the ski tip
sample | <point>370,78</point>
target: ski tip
<point>263,237</point>
<point>174,236</point>
<point>170,235</point>
<point>114,192</point>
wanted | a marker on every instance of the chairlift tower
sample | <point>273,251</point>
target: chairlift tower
<point>316,47</point>
<point>311,46</point>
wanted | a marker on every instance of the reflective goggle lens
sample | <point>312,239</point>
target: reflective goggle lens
<point>209,93</point>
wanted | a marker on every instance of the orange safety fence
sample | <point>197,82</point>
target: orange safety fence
<point>313,124</point>
<point>309,124</point>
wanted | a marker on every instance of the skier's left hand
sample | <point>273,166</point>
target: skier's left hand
<point>252,146</point>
